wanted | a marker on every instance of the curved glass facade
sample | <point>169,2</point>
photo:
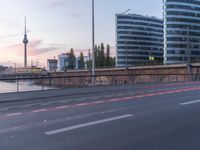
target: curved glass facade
<point>138,38</point>
<point>181,31</point>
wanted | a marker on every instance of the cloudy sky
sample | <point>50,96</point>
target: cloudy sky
<point>54,26</point>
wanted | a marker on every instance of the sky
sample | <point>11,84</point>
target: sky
<point>55,26</point>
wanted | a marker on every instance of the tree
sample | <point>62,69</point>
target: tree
<point>72,60</point>
<point>112,62</point>
<point>96,55</point>
<point>102,56</point>
<point>108,58</point>
<point>81,61</point>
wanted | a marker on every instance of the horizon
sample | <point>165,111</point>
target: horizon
<point>55,26</point>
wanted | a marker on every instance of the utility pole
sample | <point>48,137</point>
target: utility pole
<point>31,63</point>
<point>54,63</point>
<point>15,67</point>
<point>89,55</point>
<point>65,74</point>
<point>93,46</point>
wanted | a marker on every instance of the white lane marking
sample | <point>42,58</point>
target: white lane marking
<point>99,102</point>
<point>39,110</point>
<point>13,114</point>
<point>82,104</point>
<point>88,124</point>
<point>190,102</point>
<point>62,107</point>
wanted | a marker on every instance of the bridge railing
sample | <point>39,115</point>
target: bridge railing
<point>45,82</point>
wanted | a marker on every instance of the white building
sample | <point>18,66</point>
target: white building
<point>52,64</point>
<point>86,58</point>
<point>137,39</point>
<point>181,31</point>
<point>63,61</point>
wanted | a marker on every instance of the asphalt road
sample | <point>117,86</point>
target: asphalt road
<point>152,117</point>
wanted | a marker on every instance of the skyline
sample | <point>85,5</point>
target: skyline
<point>55,26</point>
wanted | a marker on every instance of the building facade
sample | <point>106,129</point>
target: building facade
<point>139,40</point>
<point>52,64</point>
<point>181,31</point>
<point>63,61</point>
<point>78,65</point>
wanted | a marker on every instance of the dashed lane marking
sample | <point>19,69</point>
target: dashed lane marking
<point>13,114</point>
<point>39,110</point>
<point>62,107</point>
<point>190,102</point>
<point>88,124</point>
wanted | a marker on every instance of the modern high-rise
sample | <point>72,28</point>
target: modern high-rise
<point>139,39</point>
<point>181,31</point>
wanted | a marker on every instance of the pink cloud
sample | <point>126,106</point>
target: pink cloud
<point>34,48</point>
<point>15,53</point>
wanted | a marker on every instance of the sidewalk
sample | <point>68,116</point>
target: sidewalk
<point>61,93</point>
<point>36,95</point>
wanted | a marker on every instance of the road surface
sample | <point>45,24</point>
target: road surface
<point>150,117</point>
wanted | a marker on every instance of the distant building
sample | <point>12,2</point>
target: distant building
<point>52,64</point>
<point>86,58</point>
<point>2,69</point>
<point>63,61</point>
<point>31,70</point>
<point>139,40</point>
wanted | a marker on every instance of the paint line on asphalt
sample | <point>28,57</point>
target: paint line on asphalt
<point>82,104</point>
<point>88,124</point>
<point>115,100</point>
<point>190,102</point>
<point>62,107</point>
<point>39,110</point>
<point>99,102</point>
<point>13,114</point>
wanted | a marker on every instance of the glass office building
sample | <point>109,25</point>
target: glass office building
<point>139,39</point>
<point>181,31</point>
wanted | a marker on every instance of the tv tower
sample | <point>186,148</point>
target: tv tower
<point>25,41</point>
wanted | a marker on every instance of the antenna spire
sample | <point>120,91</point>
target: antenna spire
<point>25,24</point>
<point>25,41</point>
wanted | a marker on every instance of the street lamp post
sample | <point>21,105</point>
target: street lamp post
<point>93,46</point>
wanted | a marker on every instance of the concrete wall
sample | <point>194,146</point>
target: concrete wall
<point>132,75</point>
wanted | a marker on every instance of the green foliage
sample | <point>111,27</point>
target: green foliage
<point>81,61</point>
<point>72,60</point>
<point>103,59</point>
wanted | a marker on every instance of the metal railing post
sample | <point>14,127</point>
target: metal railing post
<point>42,84</point>
<point>17,86</point>
<point>100,80</point>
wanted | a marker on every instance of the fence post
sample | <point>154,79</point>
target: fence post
<point>42,84</point>
<point>17,86</point>
<point>168,76</point>
<point>100,80</point>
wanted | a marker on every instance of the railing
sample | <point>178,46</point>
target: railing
<point>45,82</point>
